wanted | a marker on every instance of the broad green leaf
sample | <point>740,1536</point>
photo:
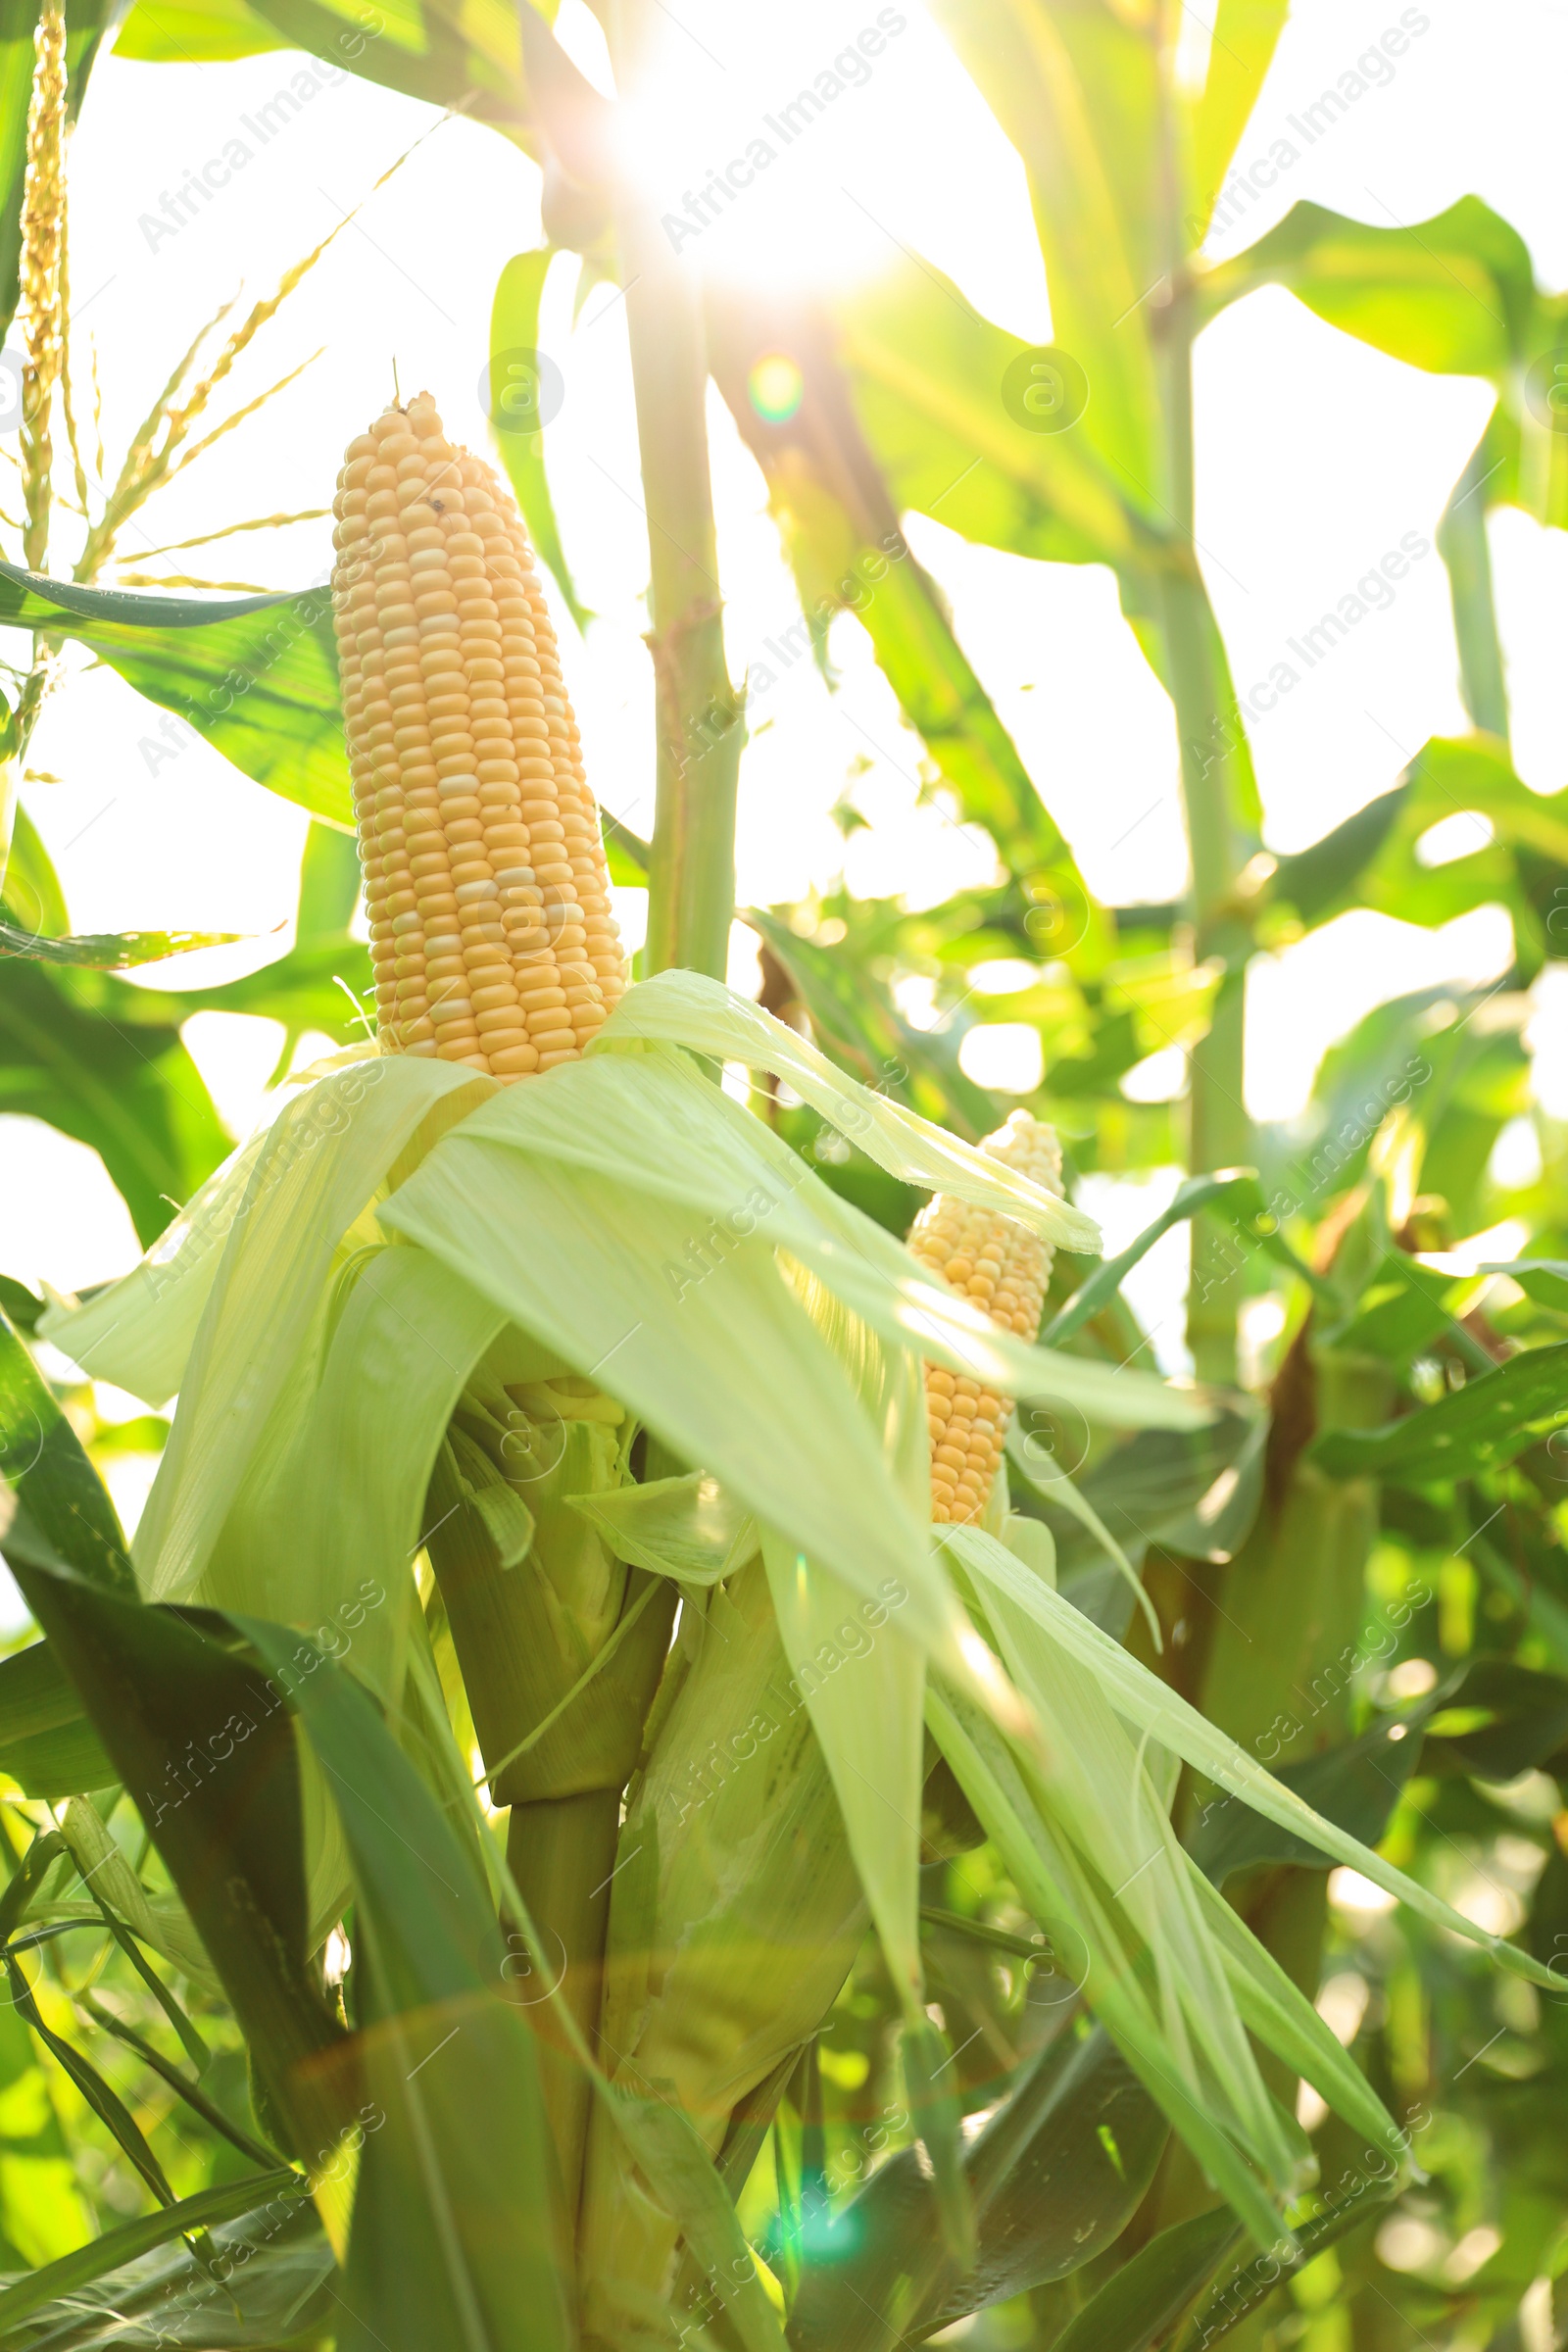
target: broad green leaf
<point>1242,44</point>
<point>1152,1707</point>
<point>42,1463</point>
<point>688,1528</point>
<point>118,2247</point>
<point>46,1743</point>
<point>674,2157</point>
<point>515,328</point>
<point>32,899</point>
<point>649,1119</point>
<point>868,1716</point>
<point>456,2236</point>
<point>255,676</point>
<point>78,1050</point>
<point>1454,294</point>
<point>1146,2297</point>
<point>1372,859</point>
<point>926,372</point>
<point>1077,90</point>
<point>1543,1279</point>
<point>156,1689</point>
<point>1056,2173</point>
<point>1479,1426</point>
<point>840,524</point>
<point>185,32</point>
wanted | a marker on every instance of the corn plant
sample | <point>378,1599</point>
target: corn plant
<point>554,1442</point>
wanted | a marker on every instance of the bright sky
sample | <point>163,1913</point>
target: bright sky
<point>1316,456</point>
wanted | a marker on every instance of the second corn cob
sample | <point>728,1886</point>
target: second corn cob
<point>1003,1269</point>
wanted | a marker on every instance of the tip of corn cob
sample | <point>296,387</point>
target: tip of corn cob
<point>488,894</point>
<point>1004,1268</point>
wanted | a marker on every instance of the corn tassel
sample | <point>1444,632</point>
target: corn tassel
<point>491,930</point>
<point>1003,1269</point>
<point>44,232</point>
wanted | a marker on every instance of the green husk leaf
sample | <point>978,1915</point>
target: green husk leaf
<point>689,1528</point>
<point>1154,1707</point>
<point>686,1009</point>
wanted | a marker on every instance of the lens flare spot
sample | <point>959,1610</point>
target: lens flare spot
<point>776,388</point>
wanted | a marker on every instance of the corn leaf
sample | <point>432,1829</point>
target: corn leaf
<point>1078,93</point>
<point>852,1010</point>
<point>456,2235</point>
<point>156,1689</point>
<point>868,1717</point>
<point>280,2275</point>
<point>686,1009</point>
<point>925,371</point>
<point>117,2248</point>
<point>178,32</point>
<point>840,529</point>
<point>1152,1706</point>
<point>1454,294</point>
<point>30,891</point>
<point>1245,34</point>
<point>78,1049</point>
<point>1092,1787</point>
<point>1055,2172</point>
<point>1479,1426</point>
<point>515,327</point>
<point>255,676</point>
<point>46,1743</point>
<point>1062,1897</point>
<point>732,1374</point>
<point>1148,2295</point>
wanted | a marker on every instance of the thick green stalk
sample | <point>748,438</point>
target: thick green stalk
<point>1219,1133</point>
<point>692,875</point>
<point>1462,545</point>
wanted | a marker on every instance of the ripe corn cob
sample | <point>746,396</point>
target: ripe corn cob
<point>489,899</point>
<point>1005,1269</point>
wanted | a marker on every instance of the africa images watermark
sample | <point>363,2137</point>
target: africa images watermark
<point>1373,70</point>
<point>849,70</point>
<point>178,209</point>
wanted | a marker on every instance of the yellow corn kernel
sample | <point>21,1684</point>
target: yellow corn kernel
<point>1005,1269</point>
<point>491,930</point>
